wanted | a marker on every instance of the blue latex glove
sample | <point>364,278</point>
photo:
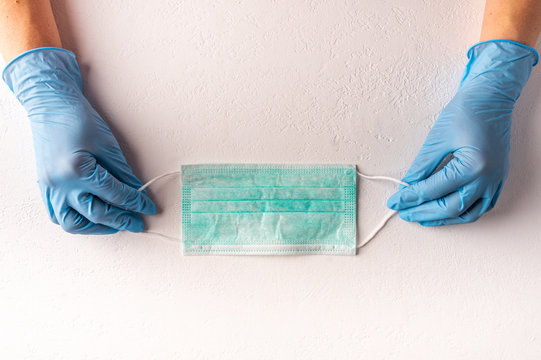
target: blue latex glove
<point>85,182</point>
<point>475,128</point>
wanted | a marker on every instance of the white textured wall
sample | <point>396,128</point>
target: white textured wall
<point>271,81</point>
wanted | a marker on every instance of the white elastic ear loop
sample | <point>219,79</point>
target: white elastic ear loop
<point>369,177</point>
<point>147,184</point>
<point>150,182</point>
<point>389,215</point>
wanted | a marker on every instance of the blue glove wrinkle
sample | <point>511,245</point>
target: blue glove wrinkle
<point>475,127</point>
<point>84,179</point>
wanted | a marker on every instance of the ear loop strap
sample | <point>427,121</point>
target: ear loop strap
<point>370,236</point>
<point>150,182</point>
<point>387,216</point>
<point>147,184</point>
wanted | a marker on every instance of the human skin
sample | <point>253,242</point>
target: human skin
<point>517,20</point>
<point>26,25</point>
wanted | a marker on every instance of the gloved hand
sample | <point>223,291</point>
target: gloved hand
<point>85,182</point>
<point>475,128</point>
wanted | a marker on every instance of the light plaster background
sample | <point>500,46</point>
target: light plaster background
<point>271,81</point>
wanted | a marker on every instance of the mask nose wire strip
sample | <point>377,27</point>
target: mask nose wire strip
<point>387,216</point>
<point>370,236</point>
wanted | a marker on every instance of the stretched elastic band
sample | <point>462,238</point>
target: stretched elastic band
<point>388,216</point>
<point>150,182</point>
<point>147,184</point>
<point>369,237</point>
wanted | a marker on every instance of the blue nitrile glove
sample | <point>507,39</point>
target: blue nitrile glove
<point>85,182</point>
<point>475,128</point>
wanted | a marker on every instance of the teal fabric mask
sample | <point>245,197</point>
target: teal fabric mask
<point>268,209</point>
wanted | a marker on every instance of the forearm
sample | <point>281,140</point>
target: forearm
<point>517,20</point>
<point>26,25</point>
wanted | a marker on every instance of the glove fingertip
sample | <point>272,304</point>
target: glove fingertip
<point>147,206</point>
<point>133,223</point>
<point>404,215</point>
<point>403,199</point>
<point>392,202</point>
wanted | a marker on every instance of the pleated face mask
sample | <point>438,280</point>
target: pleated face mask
<point>268,209</point>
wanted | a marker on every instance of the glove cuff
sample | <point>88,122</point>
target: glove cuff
<point>53,69</point>
<point>500,66</point>
<point>525,47</point>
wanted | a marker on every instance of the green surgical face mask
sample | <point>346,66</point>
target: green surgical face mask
<point>268,209</point>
